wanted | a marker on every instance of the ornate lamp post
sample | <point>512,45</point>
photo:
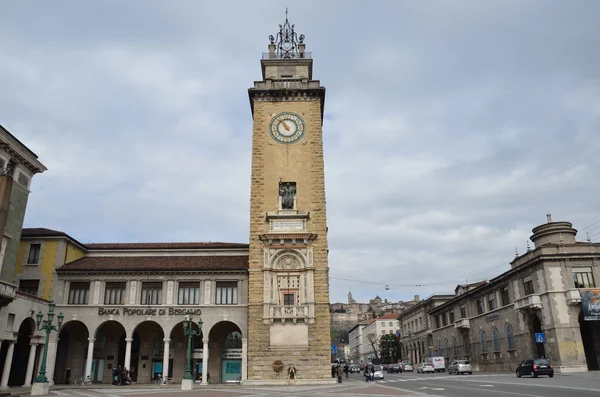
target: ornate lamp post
<point>41,382</point>
<point>189,331</point>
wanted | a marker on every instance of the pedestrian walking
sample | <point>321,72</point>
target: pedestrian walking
<point>340,373</point>
<point>346,370</point>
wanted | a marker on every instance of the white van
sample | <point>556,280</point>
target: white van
<point>439,364</point>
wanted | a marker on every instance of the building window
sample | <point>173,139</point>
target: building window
<point>583,277</point>
<point>463,311</point>
<point>391,324</point>
<point>528,287</point>
<point>189,294</point>
<point>454,353</point>
<point>446,347</point>
<point>288,299</point>
<point>227,293</point>
<point>29,287</point>
<point>505,297</point>
<point>452,317</point>
<point>444,320</point>
<point>78,293</point>
<point>495,339</point>
<point>114,294</point>
<point>483,342</point>
<point>439,347</point>
<point>34,254</point>
<point>151,294</point>
<point>391,331</point>
<point>383,332</point>
<point>479,306</point>
<point>510,337</point>
<point>23,179</point>
<point>491,302</point>
<point>437,321</point>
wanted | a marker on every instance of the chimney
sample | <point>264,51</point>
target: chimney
<point>416,299</point>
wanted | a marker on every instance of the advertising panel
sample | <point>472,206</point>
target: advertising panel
<point>590,302</point>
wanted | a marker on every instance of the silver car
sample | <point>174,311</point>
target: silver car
<point>460,367</point>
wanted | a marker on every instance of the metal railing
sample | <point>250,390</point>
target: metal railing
<point>299,55</point>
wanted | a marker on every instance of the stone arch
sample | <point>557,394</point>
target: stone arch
<point>109,350</point>
<point>179,344</point>
<point>510,337</point>
<point>288,259</point>
<point>495,339</point>
<point>446,348</point>
<point>147,345</point>
<point>225,353</point>
<point>483,342</point>
<point>454,347</point>
<point>591,342</point>
<point>71,352</point>
<point>20,358</point>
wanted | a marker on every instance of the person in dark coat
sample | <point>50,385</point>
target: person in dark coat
<point>340,373</point>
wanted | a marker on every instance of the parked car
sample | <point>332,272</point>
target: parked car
<point>535,367</point>
<point>394,369</point>
<point>407,367</point>
<point>460,367</point>
<point>354,368</point>
<point>425,367</point>
<point>378,374</point>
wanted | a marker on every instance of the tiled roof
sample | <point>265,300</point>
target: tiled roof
<point>40,232</point>
<point>391,316</point>
<point>156,263</point>
<point>135,246</point>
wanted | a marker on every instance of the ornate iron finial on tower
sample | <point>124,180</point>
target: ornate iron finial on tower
<point>549,217</point>
<point>516,252</point>
<point>528,246</point>
<point>589,240</point>
<point>287,40</point>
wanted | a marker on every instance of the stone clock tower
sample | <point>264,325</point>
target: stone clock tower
<point>288,313</point>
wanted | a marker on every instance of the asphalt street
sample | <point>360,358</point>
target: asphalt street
<point>492,385</point>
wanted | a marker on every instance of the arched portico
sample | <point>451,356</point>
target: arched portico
<point>106,351</point>
<point>179,344</point>
<point>145,352</point>
<point>227,352</point>
<point>19,366</point>
<point>71,352</point>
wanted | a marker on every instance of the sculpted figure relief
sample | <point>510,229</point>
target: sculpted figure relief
<point>287,192</point>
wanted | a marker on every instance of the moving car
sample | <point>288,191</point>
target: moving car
<point>535,367</point>
<point>378,374</point>
<point>394,369</point>
<point>460,367</point>
<point>425,367</point>
<point>407,367</point>
<point>354,368</point>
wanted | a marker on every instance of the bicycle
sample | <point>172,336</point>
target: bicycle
<point>83,381</point>
<point>159,380</point>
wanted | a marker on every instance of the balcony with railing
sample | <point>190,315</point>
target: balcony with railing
<point>287,84</point>
<point>7,293</point>
<point>289,312</point>
<point>529,302</point>
<point>573,297</point>
<point>297,55</point>
<point>462,323</point>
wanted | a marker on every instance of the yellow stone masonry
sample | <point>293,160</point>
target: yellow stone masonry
<point>300,162</point>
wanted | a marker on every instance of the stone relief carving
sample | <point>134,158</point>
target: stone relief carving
<point>132,292</point>
<point>170,292</point>
<point>207,288</point>
<point>96,298</point>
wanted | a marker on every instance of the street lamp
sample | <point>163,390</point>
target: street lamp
<point>189,331</point>
<point>48,327</point>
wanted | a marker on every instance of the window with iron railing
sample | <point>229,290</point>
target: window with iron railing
<point>29,287</point>
<point>583,277</point>
<point>528,286</point>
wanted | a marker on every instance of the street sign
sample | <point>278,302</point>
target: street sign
<point>333,349</point>
<point>540,337</point>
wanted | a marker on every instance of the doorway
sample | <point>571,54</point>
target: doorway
<point>590,336</point>
<point>539,349</point>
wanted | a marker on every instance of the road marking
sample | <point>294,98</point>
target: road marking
<point>487,385</point>
<point>530,384</point>
<point>432,388</point>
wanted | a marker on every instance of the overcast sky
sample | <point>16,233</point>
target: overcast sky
<point>451,127</point>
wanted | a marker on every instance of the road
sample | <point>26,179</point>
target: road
<point>492,385</point>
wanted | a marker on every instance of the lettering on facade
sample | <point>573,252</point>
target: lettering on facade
<point>492,317</point>
<point>127,311</point>
<point>288,225</point>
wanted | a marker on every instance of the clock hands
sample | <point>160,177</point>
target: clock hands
<point>285,125</point>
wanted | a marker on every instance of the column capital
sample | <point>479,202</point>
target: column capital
<point>92,339</point>
<point>244,340</point>
<point>34,343</point>
<point>205,340</point>
<point>128,340</point>
<point>167,340</point>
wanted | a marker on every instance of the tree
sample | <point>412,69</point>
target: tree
<point>374,341</point>
<point>389,346</point>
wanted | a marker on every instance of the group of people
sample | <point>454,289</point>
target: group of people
<point>339,370</point>
<point>120,376</point>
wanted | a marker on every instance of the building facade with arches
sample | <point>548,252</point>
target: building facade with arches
<point>495,324</point>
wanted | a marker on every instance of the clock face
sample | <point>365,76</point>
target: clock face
<point>287,127</point>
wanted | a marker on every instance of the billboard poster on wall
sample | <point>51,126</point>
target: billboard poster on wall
<point>590,303</point>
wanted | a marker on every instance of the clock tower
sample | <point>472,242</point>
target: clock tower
<point>288,297</point>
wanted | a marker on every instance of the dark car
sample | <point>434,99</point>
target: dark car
<point>535,367</point>
<point>394,369</point>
